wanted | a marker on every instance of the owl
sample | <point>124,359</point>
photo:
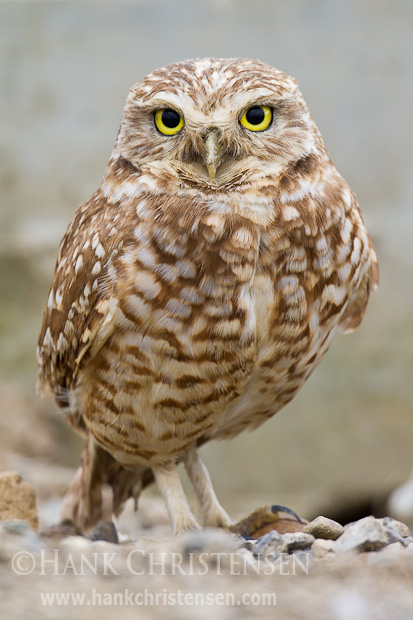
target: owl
<point>201,284</point>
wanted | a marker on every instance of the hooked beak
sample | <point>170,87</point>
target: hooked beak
<point>213,153</point>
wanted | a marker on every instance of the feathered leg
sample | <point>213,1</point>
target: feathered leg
<point>170,487</point>
<point>101,487</point>
<point>213,513</point>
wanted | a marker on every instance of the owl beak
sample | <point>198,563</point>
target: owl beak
<point>213,153</point>
<point>212,170</point>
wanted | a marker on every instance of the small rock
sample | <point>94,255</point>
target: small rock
<point>246,544</point>
<point>17,499</point>
<point>274,542</point>
<point>294,541</point>
<point>393,524</point>
<point>268,543</point>
<point>18,527</point>
<point>322,527</point>
<point>322,546</point>
<point>394,536</point>
<point>367,534</point>
<point>105,530</point>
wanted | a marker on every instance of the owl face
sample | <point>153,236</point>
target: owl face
<point>215,123</point>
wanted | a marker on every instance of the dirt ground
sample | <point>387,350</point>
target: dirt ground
<point>152,574</point>
<point>207,574</point>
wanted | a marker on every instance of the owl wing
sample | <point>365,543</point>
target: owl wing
<point>78,303</point>
<point>356,307</point>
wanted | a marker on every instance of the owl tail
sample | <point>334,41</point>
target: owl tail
<point>101,487</point>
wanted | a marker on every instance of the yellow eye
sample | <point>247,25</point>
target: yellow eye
<point>168,121</point>
<point>257,118</point>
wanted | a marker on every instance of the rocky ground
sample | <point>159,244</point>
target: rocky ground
<point>318,570</point>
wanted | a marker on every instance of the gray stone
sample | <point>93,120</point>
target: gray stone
<point>394,535</point>
<point>296,541</point>
<point>322,527</point>
<point>105,530</point>
<point>276,543</point>
<point>368,534</point>
<point>392,525</point>
<point>18,527</point>
<point>271,542</point>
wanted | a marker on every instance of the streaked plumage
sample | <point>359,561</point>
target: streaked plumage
<point>201,284</point>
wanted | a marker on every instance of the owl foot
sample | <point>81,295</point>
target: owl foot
<point>217,517</point>
<point>213,514</point>
<point>169,484</point>
<point>173,495</point>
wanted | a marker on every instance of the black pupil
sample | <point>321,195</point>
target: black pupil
<point>170,118</point>
<point>255,116</point>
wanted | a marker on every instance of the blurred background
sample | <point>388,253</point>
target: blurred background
<point>65,69</point>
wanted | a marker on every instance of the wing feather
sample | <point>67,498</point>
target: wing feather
<point>356,307</point>
<point>78,301</point>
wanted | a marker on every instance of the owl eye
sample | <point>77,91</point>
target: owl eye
<point>257,118</point>
<point>168,121</point>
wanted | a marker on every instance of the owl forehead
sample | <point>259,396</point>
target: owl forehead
<point>211,85</point>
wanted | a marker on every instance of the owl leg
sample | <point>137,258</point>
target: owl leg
<point>101,487</point>
<point>173,495</point>
<point>83,502</point>
<point>214,514</point>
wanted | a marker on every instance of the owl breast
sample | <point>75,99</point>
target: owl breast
<point>213,330</point>
<point>183,338</point>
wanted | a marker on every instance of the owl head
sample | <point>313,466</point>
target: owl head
<point>215,123</point>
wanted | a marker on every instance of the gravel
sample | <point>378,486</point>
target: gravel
<point>326,571</point>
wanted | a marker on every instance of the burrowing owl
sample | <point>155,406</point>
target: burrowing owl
<point>202,283</point>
